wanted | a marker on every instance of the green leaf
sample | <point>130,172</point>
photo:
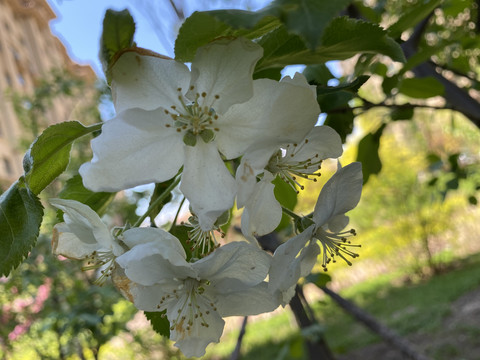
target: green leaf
<point>159,322</point>
<point>345,37</point>
<point>307,18</point>
<point>318,74</point>
<point>97,201</point>
<point>353,86</point>
<point>201,28</point>
<point>412,16</point>
<point>368,154</point>
<point>342,123</point>
<point>21,215</point>
<point>421,88</point>
<point>319,279</point>
<point>49,154</point>
<point>117,35</point>
<point>287,197</point>
<point>402,113</point>
<point>389,83</point>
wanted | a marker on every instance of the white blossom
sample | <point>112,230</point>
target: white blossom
<point>168,117</point>
<point>296,257</point>
<point>229,281</point>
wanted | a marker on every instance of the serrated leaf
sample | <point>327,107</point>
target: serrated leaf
<point>21,215</point>
<point>318,74</point>
<point>117,35</point>
<point>159,322</point>
<point>97,201</point>
<point>412,16</point>
<point>287,197</point>
<point>49,154</point>
<point>307,18</point>
<point>201,28</point>
<point>421,88</point>
<point>368,154</point>
<point>347,37</point>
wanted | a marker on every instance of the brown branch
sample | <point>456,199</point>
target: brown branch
<point>236,352</point>
<point>369,321</point>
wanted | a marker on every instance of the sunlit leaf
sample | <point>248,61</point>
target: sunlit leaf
<point>421,88</point>
<point>368,154</point>
<point>49,154</point>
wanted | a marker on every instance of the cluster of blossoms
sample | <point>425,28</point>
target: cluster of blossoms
<point>172,121</point>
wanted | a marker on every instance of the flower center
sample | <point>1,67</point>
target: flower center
<point>291,165</point>
<point>193,119</point>
<point>336,244</point>
<point>202,242</point>
<point>192,306</point>
<point>104,260</point>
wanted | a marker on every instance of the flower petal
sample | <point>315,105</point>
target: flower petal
<point>86,226</point>
<point>262,212</point>
<point>147,82</point>
<point>340,194</point>
<point>291,261</point>
<point>155,262</point>
<point>144,235</point>
<point>207,183</point>
<point>66,243</point>
<point>279,112</point>
<point>225,68</point>
<point>134,148</point>
<point>323,143</point>
<point>251,301</point>
<point>234,266</point>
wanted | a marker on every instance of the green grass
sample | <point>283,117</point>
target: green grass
<point>417,307</point>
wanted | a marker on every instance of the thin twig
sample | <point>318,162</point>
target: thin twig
<point>236,352</point>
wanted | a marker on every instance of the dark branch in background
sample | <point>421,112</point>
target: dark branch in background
<point>386,333</point>
<point>236,352</point>
<point>459,99</point>
<point>369,105</point>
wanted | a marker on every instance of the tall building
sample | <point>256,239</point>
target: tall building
<point>28,52</point>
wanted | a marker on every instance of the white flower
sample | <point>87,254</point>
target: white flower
<point>290,161</point>
<point>83,235</point>
<point>295,259</point>
<point>195,295</point>
<point>169,117</point>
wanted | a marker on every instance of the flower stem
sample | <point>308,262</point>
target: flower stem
<point>291,213</point>
<point>157,201</point>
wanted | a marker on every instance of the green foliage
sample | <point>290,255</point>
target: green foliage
<point>159,322</point>
<point>20,218</point>
<point>421,88</point>
<point>117,35</point>
<point>287,197</point>
<point>368,154</point>
<point>49,154</point>
<point>414,14</point>
<point>97,201</point>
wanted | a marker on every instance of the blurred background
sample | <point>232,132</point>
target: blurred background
<point>417,222</point>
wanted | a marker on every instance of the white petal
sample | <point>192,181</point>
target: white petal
<point>340,194</point>
<point>134,148</point>
<point>234,266</point>
<point>147,298</point>
<point>194,341</point>
<point>144,235</point>
<point>287,264</point>
<point>207,183</point>
<point>225,68</point>
<point>262,212</point>
<point>86,225</point>
<point>66,243</point>
<point>252,164</point>
<point>322,141</point>
<point>155,262</point>
<point>277,112</point>
<point>251,301</point>
<point>147,82</point>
